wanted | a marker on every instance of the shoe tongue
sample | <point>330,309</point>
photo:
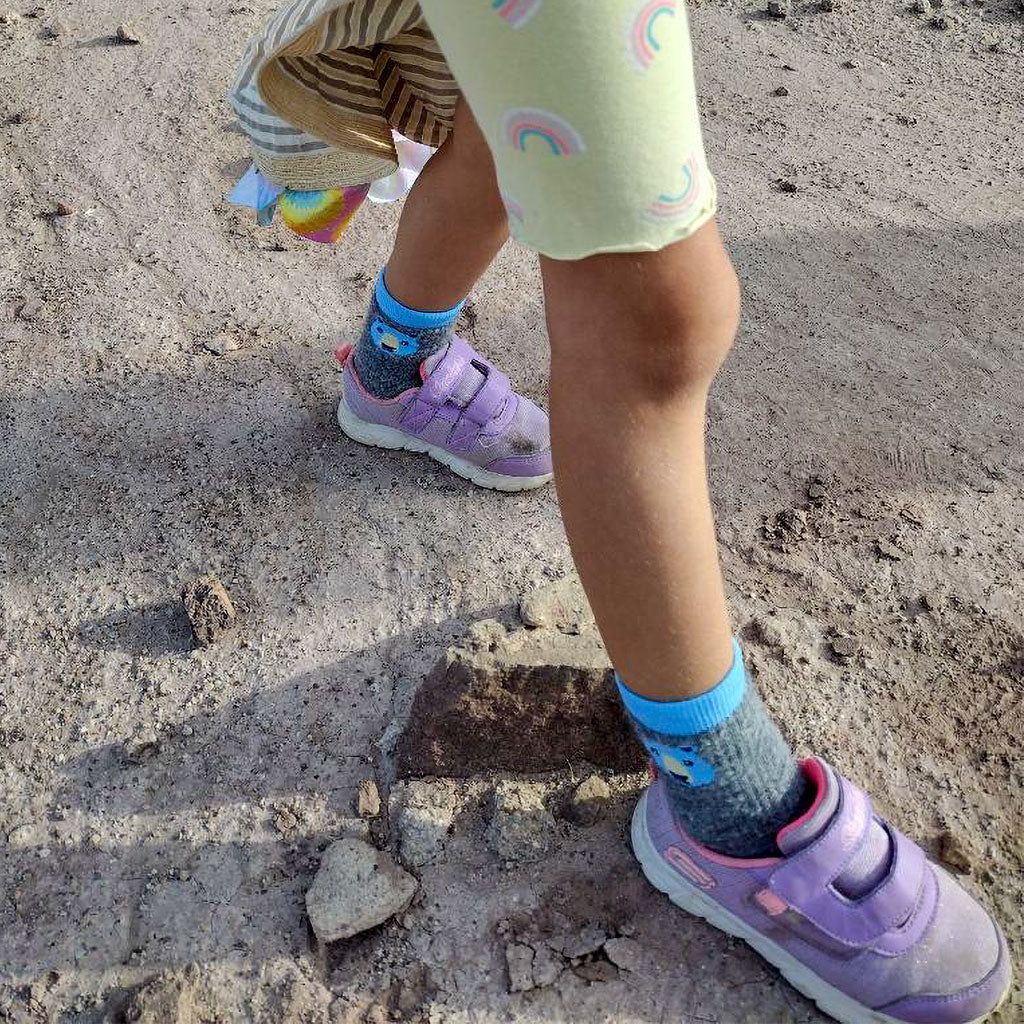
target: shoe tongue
<point>869,865</point>
<point>466,386</point>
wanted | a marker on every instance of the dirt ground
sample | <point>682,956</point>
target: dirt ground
<point>163,810</point>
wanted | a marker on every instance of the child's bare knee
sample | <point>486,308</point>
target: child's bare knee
<point>661,325</point>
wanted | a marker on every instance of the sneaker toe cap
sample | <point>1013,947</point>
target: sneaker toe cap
<point>961,970</point>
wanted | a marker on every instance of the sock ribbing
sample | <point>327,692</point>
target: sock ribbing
<point>733,781</point>
<point>396,339</point>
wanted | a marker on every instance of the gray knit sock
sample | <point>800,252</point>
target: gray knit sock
<point>732,778</point>
<point>395,341</point>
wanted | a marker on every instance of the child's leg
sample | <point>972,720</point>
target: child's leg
<point>453,223</point>
<point>595,137</point>
<point>409,382</point>
<point>640,336</point>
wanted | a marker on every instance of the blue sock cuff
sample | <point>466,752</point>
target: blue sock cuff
<point>404,316</point>
<point>696,715</point>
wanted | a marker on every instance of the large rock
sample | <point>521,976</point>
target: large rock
<point>531,701</point>
<point>356,888</point>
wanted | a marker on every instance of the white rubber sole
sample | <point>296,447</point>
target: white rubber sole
<point>691,899</point>
<point>388,437</point>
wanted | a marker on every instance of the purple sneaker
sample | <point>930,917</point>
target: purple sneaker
<point>917,949</point>
<point>465,415</point>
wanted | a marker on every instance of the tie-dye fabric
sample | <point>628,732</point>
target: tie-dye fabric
<point>589,108</point>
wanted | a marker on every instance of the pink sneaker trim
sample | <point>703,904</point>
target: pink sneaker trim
<point>816,776</point>
<point>739,863</point>
<point>349,366</point>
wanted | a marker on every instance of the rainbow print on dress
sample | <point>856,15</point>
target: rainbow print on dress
<point>516,12</point>
<point>641,38</point>
<point>523,126</point>
<point>672,206</point>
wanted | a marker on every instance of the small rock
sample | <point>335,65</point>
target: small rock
<point>423,812</point>
<point>588,940</point>
<point>785,185</point>
<point>29,308</point>
<point>161,1000</point>
<point>285,820</point>
<point>778,8</point>
<point>221,344</point>
<point>955,853</point>
<point>561,605</point>
<point>589,800</point>
<point>485,635</point>
<point>521,827</point>
<point>780,91</point>
<point>126,35</point>
<point>829,6</point>
<point>64,210</point>
<point>357,887</point>
<point>941,22</point>
<point>851,65</point>
<point>52,31</point>
<point>625,953</point>
<point>886,549</point>
<point>922,7</point>
<point>597,971</point>
<point>519,959</point>
<point>209,609</point>
<point>844,647</point>
<point>817,491</point>
<point>142,745</point>
<point>21,835</point>
<point>547,966</point>
<point>368,800</point>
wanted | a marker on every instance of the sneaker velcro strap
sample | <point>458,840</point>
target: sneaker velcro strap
<point>489,399</point>
<point>805,879</point>
<point>438,387</point>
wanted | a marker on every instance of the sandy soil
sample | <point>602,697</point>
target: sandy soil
<point>164,809</point>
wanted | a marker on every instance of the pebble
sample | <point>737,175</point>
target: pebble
<point>209,609</point>
<point>955,853</point>
<point>142,745</point>
<point>368,799</point>
<point>922,7</point>
<point>844,647</point>
<point>778,8</point>
<point>625,953</point>
<point>521,827</point>
<point>356,887</point>
<point>886,549</point>
<point>588,940</point>
<point>547,966</point>
<point>424,812</point>
<point>851,65</point>
<point>589,800</point>
<point>221,344</point>
<point>785,185</point>
<point>126,35</point>
<point>941,22</point>
<point>519,958</point>
<point>780,91</point>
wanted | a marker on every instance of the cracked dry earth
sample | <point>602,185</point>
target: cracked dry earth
<point>166,412</point>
